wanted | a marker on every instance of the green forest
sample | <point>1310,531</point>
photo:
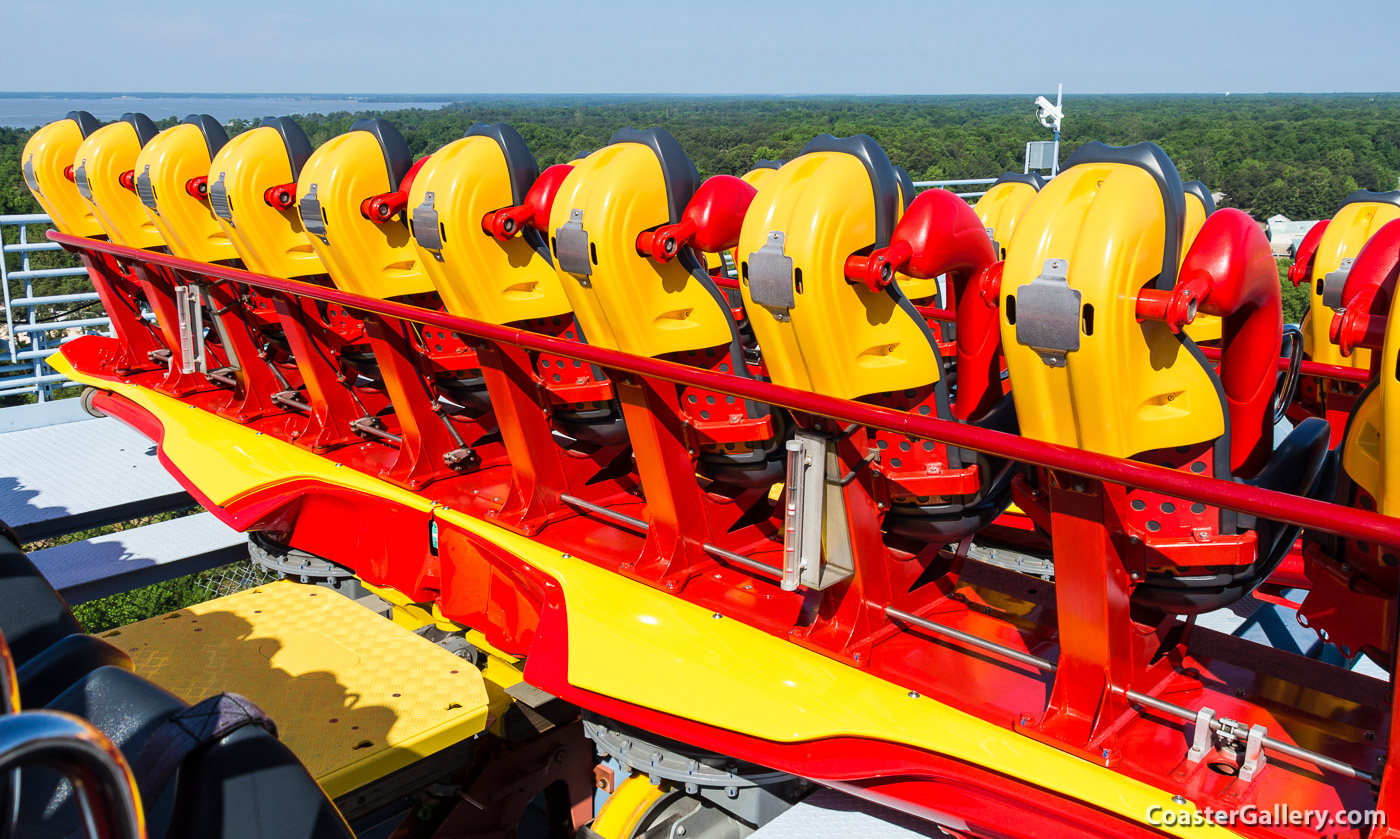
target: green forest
<point>1291,154</point>
<point>1298,155</point>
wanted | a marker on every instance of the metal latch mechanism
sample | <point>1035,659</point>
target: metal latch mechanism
<point>1047,314</point>
<point>571,249</point>
<point>1334,282</point>
<point>30,178</point>
<point>309,208</point>
<point>815,516</point>
<point>80,180</point>
<point>218,200</point>
<point>1210,733</point>
<point>146,190</point>
<point>770,277</point>
<point>189,308</point>
<point>425,226</point>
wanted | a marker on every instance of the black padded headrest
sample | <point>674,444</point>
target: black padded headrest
<point>214,134</point>
<point>906,185</point>
<point>768,164</point>
<point>1036,182</point>
<point>1365,196</point>
<point>681,176</point>
<point>1150,158</point>
<point>521,164</point>
<point>1199,190</point>
<point>397,158</point>
<point>145,129</point>
<point>884,181</point>
<point>87,123</point>
<point>293,139</point>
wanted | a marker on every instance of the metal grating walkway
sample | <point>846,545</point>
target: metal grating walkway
<point>63,478</point>
<point>116,562</point>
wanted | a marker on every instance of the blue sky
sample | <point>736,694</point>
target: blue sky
<point>712,46</point>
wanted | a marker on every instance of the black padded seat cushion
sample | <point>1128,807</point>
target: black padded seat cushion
<point>125,707</point>
<point>397,157</point>
<point>215,137</point>
<point>244,786</point>
<point>87,123</point>
<point>60,666</point>
<point>293,139</point>
<point>32,615</point>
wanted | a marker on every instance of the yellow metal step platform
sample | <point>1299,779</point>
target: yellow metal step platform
<point>355,696</point>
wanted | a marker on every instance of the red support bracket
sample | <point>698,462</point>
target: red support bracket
<point>138,348</point>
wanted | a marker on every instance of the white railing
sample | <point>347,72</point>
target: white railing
<point>31,338</point>
<point>956,183</point>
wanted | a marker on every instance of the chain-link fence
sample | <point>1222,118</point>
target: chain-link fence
<point>149,601</point>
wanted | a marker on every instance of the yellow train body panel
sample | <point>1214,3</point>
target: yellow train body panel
<point>1204,327</point>
<point>1371,451</point>
<point>99,163</point>
<point>476,275</point>
<point>840,338</point>
<point>189,227</point>
<point>1351,228</point>
<point>630,302</point>
<point>1131,387</point>
<point>680,660</point>
<point>376,260</point>
<point>48,153</point>
<point>1001,207</point>
<point>268,240</point>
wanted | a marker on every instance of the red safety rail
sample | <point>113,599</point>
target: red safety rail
<point>1310,368</point>
<point>1330,518</point>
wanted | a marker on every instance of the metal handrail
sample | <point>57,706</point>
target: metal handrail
<point>39,345</point>
<point>1277,506</point>
<point>100,776</point>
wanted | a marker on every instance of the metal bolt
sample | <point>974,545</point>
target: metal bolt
<point>716,616</point>
<point>1370,735</point>
<point>568,556</point>
<point>913,694</point>
<point>1178,799</point>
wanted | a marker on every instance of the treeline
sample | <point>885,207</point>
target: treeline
<point>1291,154</point>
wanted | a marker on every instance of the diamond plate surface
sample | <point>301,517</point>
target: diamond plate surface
<point>93,473</point>
<point>828,813</point>
<point>354,696</point>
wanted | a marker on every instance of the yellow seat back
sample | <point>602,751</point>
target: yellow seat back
<point>268,239</point>
<point>623,300</point>
<point>1371,450</point>
<point>1002,206</point>
<point>818,331</point>
<point>477,275</point>
<point>102,158</point>
<point>49,152</point>
<point>165,166</point>
<point>1362,214</point>
<point>1199,206</point>
<point>376,260</point>
<point>1108,225</point>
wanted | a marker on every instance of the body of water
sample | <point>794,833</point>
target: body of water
<point>29,112</point>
